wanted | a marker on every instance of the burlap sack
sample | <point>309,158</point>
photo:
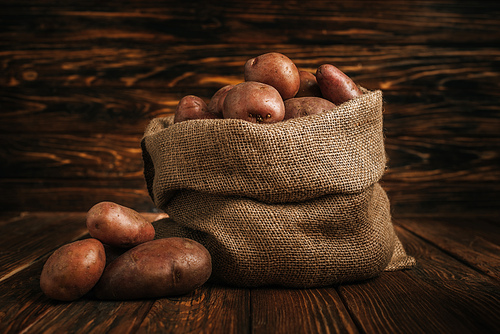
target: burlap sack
<point>295,203</point>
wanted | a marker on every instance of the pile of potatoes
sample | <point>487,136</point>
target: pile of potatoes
<point>122,260</point>
<point>274,89</point>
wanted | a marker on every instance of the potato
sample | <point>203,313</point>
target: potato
<point>274,69</point>
<point>254,102</point>
<point>308,85</point>
<point>217,101</point>
<point>307,105</point>
<point>118,226</point>
<point>73,270</point>
<point>335,85</point>
<point>192,107</point>
<point>155,269</point>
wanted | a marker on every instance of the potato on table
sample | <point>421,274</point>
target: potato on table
<point>118,226</point>
<point>155,269</point>
<point>73,270</point>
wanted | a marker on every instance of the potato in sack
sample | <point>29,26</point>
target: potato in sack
<point>274,69</point>
<point>255,102</point>
<point>335,85</point>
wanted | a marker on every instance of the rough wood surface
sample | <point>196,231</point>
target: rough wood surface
<point>212,309</point>
<point>450,296</point>
<point>451,290</point>
<point>310,310</point>
<point>473,241</point>
<point>79,82</point>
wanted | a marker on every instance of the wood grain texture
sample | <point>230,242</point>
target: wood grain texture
<point>155,22</point>
<point>452,298</point>
<point>474,241</point>
<point>210,309</point>
<point>73,195</point>
<point>24,300</point>
<point>299,310</point>
<point>28,241</point>
<point>80,83</point>
<point>442,294</point>
<point>72,156</point>
<point>466,198</point>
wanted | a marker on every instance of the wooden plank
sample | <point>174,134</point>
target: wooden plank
<point>22,301</point>
<point>72,195</point>
<point>34,313</point>
<point>442,159</point>
<point>90,316</point>
<point>438,197</point>
<point>210,309</point>
<point>25,309</point>
<point>473,241</point>
<point>127,110</point>
<point>423,86</point>
<point>440,112</point>
<point>439,295</point>
<point>9,216</point>
<point>82,110</point>
<point>411,159</point>
<point>443,73</point>
<point>415,22</point>
<point>299,310</point>
<point>72,156</point>
<point>31,236</point>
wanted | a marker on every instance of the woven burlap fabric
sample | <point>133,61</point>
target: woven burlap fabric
<point>328,240</point>
<point>341,151</point>
<point>295,203</point>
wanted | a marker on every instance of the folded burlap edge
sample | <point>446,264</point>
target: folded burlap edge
<point>338,151</point>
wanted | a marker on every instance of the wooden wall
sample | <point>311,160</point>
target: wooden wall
<point>80,80</point>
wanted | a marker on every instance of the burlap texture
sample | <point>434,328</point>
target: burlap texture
<point>341,151</point>
<point>295,203</point>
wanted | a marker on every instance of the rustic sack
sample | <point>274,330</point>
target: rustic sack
<point>295,203</point>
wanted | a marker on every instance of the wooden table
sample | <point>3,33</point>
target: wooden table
<point>454,289</point>
<point>80,81</point>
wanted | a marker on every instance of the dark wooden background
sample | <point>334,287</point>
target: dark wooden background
<point>80,80</point>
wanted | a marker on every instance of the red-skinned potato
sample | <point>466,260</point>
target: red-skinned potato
<point>308,85</point>
<point>192,107</point>
<point>73,270</point>
<point>155,269</point>
<point>118,226</point>
<point>254,102</point>
<point>217,101</point>
<point>307,105</point>
<point>335,85</point>
<point>274,69</point>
